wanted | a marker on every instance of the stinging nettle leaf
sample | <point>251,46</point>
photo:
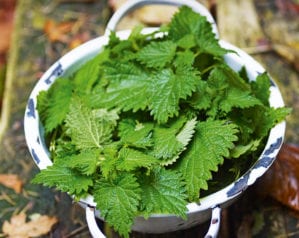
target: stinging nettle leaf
<point>186,22</point>
<point>85,129</point>
<point>168,88</point>
<point>163,192</point>
<point>65,179</point>
<point>239,150</point>
<point>157,54</point>
<point>238,98</point>
<point>261,88</point>
<point>131,159</point>
<point>166,144</point>
<point>118,201</point>
<point>211,143</point>
<point>184,58</point>
<point>171,141</point>
<point>59,98</point>
<point>127,89</point>
<point>136,134</point>
<point>85,162</point>
<point>88,74</point>
<point>201,98</point>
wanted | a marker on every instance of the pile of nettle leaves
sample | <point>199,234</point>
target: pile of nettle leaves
<point>145,124</point>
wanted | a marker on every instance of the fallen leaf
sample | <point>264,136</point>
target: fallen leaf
<point>287,6</point>
<point>282,179</point>
<point>19,228</point>
<point>79,39</point>
<point>6,23</point>
<point>58,32</point>
<point>11,181</point>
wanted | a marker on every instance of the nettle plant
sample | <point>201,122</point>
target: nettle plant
<point>153,123</point>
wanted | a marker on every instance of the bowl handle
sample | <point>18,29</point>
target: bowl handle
<point>133,4</point>
<point>97,233</point>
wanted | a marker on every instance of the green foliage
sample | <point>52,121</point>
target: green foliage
<point>194,30</point>
<point>150,123</point>
<point>118,201</point>
<point>163,192</point>
<point>167,88</point>
<point>260,87</point>
<point>130,159</point>
<point>54,104</point>
<point>64,179</point>
<point>85,162</point>
<point>136,134</point>
<point>85,129</point>
<point>157,54</point>
<point>212,142</point>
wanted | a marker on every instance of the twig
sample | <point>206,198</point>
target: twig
<point>76,231</point>
<point>7,198</point>
<point>260,49</point>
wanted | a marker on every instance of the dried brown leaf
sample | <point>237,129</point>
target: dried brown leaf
<point>58,32</point>
<point>6,23</point>
<point>11,181</point>
<point>17,227</point>
<point>282,180</point>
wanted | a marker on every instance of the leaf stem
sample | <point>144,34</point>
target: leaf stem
<point>208,69</point>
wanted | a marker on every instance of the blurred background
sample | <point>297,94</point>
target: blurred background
<point>35,33</point>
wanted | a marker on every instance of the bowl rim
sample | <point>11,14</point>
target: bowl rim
<point>73,59</point>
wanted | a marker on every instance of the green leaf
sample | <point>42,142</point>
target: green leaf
<point>187,41</point>
<point>211,143</point>
<point>184,58</point>
<point>258,126</point>
<point>65,179</point>
<point>42,105</point>
<point>166,144</point>
<point>201,98</point>
<point>186,22</point>
<point>59,97</point>
<point>106,117</point>
<point>127,89</point>
<point>136,134</point>
<point>186,132</point>
<point>85,162</point>
<point>108,161</point>
<point>238,98</point>
<point>87,75</point>
<point>171,140</point>
<point>261,88</point>
<point>268,118</point>
<point>118,201</point>
<point>131,159</point>
<point>86,130</point>
<point>222,75</point>
<point>168,88</point>
<point>227,90</point>
<point>163,192</point>
<point>239,150</point>
<point>157,54</point>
